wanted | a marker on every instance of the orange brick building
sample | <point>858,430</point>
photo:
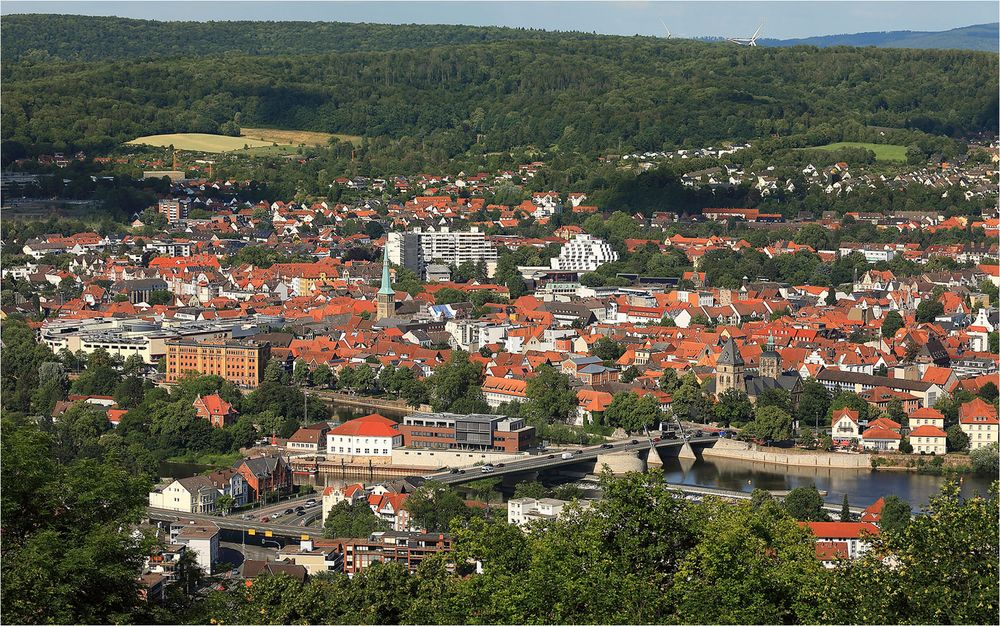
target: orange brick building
<point>241,362</point>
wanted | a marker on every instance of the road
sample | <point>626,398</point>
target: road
<point>554,459</point>
<point>232,523</point>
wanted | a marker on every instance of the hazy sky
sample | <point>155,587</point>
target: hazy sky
<point>692,19</point>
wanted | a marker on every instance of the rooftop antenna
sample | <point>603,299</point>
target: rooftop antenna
<point>748,41</point>
<point>669,34</point>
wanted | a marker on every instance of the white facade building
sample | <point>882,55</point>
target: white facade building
<point>522,511</point>
<point>584,253</point>
<point>196,494</point>
<point>417,249</point>
<point>201,537</point>
<point>369,436</point>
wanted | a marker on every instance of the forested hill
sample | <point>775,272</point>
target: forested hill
<point>87,38</point>
<point>983,37</point>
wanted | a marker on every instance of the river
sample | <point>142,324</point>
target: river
<point>862,486</point>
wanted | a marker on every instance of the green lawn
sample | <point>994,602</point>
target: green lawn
<point>883,151</point>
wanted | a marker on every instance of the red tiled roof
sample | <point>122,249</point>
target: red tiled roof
<point>373,425</point>
<point>927,431</point>
<point>840,530</point>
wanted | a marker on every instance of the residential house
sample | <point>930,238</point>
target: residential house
<point>855,534</point>
<point>229,482</point>
<point>217,411</point>
<point>196,494</point>
<point>928,440</point>
<point>371,437</point>
<point>201,537</point>
<point>308,439</point>
<point>265,475</point>
<point>978,420</point>
<point>846,425</point>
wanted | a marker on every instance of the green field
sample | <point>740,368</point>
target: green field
<point>883,151</point>
<point>199,142</point>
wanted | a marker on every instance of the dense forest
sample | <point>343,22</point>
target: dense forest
<point>587,94</point>
<point>89,38</point>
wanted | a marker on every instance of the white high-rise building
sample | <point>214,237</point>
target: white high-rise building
<point>415,250</point>
<point>584,253</point>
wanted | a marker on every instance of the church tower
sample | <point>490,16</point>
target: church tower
<point>729,370</point>
<point>770,361</point>
<point>385,301</point>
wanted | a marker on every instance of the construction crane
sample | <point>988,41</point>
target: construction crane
<point>209,163</point>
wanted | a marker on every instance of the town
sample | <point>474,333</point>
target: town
<point>264,375</point>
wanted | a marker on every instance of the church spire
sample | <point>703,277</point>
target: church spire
<point>386,288</point>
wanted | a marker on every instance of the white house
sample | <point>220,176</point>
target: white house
<point>201,537</point>
<point>926,416</point>
<point>522,511</point>
<point>335,495</point>
<point>880,439</point>
<point>928,440</point>
<point>196,494</point>
<point>369,436</point>
<point>499,390</point>
<point>853,534</point>
<point>846,425</point>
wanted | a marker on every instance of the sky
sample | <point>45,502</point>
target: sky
<point>782,20</point>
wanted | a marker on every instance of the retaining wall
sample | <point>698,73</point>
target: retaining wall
<point>728,449</point>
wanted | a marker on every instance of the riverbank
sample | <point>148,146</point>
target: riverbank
<point>729,449</point>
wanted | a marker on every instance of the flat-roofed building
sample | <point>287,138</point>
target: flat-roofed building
<point>241,362</point>
<point>494,433</point>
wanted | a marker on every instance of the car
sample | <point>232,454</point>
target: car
<point>605,446</point>
<point>461,471</point>
<point>486,469</point>
<point>714,433</point>
<point>310,501</point>
<point>300,508</point>
<point>552,456</point>
<point>454,470</point>
<point>300,513</point>
<point>656,438</point>
<point>265,519</point>
<point>499,464</point>
<point>698,433</point>
<point>634,441</point>
<point>289,511</point>
<point>671,435</point>
<point>567,455</point>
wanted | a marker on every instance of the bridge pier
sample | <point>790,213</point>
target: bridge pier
<point>687,452</point>
<point>653,459</point>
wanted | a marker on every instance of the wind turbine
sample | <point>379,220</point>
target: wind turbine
<point>748,41</point>
<point>669,34</point>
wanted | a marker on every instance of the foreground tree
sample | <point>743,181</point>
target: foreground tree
<point>805,504</point>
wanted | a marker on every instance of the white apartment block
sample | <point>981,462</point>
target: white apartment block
<point>584,253</point>
<point>419,248</point>
<point>522,511</point>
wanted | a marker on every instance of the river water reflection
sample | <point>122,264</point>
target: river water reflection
<point>861,486</point>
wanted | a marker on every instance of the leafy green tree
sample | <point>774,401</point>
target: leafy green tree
<point>895,516</point>
<point>323,376</point>
<point>69,553</point>
<point>352,520</point>
<point>689,401</point>
<point>301,373</point>
<point>549,396</point>
<point>456,386</point>
<point>130,392</point>
<point>733,407</point>
<point>892,322</point>
<point>805,505</point>
<point>776,562</point>
<point>668,380</point>
<point>957,440</point>
<point>851,401</point>
<point>629,374</point>
<point>607,349</point>
<point>770,424</point>
<point>988,392</point>
<point>433,506</point>
<point>224,503</point>
<point>929,309</point>
<point>531,489</point>
<point>776,397</point>
<point>484,488</point>
<point>986,460</point>
<point>814,403</point>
